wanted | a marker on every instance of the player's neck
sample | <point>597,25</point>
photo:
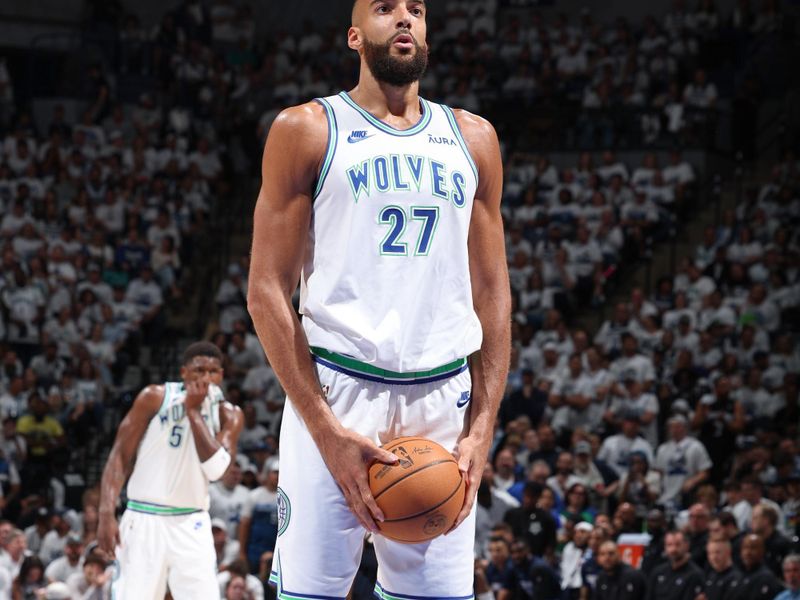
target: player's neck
<point>387,101</point>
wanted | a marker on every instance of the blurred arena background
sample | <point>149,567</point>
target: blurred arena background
<point>651,201</point>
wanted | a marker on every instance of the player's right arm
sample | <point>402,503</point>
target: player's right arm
<point>121,460</point>
<point>293,155</point>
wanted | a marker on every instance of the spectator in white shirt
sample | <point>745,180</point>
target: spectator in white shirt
<point>700,93</point>
<point>683,462</point>
<point>69,563</point>
<point>616,449</point>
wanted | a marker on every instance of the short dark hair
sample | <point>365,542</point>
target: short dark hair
<point>94,559</point>
<point>201,349</point>
<point>726,519</point>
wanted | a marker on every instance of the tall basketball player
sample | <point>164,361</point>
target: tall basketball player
<point>180,436</point>
<point>386,207</point>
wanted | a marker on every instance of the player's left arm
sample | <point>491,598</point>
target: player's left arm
<point>214,456</point>
<point>491,297</point>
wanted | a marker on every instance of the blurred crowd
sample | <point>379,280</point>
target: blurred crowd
<point>678,415</point>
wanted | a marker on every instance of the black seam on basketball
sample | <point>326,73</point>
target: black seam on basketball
<point>422,468</point>
<point>395,443</point>
<point>427,510</point>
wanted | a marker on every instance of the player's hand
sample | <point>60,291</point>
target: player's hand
<point>195,394</point>
<point>108,535</point>
<point>348,456</point>
<point>471,455</point>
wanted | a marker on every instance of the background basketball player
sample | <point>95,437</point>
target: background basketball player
<point>181,436</point>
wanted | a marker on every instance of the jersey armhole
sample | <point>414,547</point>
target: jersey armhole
<point>451,118</point>
<point>330,150</point>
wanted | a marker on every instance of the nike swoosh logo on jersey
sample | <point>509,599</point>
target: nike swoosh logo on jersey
<point>358,136</point>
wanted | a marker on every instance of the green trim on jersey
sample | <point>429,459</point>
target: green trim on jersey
<point>330,151</point>
<point>159,509</point>
<point>451,117</point>
<point>367,369</point>
<point>377,123</point>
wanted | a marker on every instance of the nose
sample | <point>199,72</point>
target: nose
<point>403,17</point>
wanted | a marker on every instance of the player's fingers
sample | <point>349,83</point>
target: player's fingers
<point>360,510</point>
<point>384,456</point>
<point>469,499</point>
<point>464,463</point>
<point>367,498</point>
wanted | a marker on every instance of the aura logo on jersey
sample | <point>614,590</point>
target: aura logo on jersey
<point>284,511</point>
<point>432,139</point>
<point>407,173</point>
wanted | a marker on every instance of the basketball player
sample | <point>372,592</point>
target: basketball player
<point>387,208</point>
<point>181,436</point>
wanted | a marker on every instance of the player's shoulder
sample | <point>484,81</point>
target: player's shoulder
<point>151,397</point>
<point>473,125</point>
<point>308,117</point>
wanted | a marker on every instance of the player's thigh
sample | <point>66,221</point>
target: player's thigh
<point>319,539</point>
<point>437,410</point>
<point>440,568</point>
<point>140,572</point>
<point>192,560</point>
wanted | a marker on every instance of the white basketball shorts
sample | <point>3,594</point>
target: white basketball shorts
<point>319,539</point>
<point>156,550</point>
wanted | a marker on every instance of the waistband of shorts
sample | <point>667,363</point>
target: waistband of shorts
<point>152,508</point>
<point>356,368</point>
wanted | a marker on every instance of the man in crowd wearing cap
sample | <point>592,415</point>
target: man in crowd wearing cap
<point>226,548</point>
<point>258,529</point>
<point>572,559</point>
<point>617,580</point>
<point>67,564</point>
<point>616,449</point>
<point>601,480</point>
<point>722,578</point>
<point>34,534</point>
<point>679,578</point>
<point>683,461</point>
<point>791,577</point>
<point>632,364</point>
<point>758,581</point>
<point>227,497</point>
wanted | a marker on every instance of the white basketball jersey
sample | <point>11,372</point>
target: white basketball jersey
<point>167,472</point>
<point>386,274</point>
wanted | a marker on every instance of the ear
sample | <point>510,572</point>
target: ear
<point>354,38</point>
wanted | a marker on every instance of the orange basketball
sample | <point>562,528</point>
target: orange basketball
<point>421,495</point>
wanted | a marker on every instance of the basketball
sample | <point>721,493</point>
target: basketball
<point>421,495</point>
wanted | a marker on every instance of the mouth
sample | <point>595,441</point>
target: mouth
<point>403,40</point>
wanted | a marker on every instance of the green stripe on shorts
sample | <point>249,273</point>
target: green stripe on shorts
<point>157,509</point>
<point>367,369</point>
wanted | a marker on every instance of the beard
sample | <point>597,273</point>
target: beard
<point>395,70</point>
